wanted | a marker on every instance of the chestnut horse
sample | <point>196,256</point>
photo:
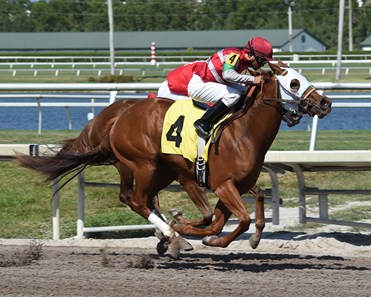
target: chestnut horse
<point>133,139</point>
<point>95,132</point>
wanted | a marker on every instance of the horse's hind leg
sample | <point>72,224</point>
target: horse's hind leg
<point>145,174</point>
<point>126,184</point>
<point>259,216</point>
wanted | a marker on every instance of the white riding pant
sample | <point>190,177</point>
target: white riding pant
<point>164,92</point>
<point>212,92</point>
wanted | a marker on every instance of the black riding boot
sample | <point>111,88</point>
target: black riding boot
<point>210,117</point>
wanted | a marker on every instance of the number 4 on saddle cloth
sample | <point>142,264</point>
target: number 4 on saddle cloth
<point>179,137</point>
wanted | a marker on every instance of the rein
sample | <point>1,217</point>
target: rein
<point>277,99</point>
<point>303,102</point>
<point>240,112</point>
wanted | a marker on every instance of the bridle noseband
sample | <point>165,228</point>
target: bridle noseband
<point>299,97</point>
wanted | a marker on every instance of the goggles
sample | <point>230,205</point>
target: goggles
<point>260,60</point>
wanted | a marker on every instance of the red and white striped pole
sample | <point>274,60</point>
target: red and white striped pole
<point>153,53</point>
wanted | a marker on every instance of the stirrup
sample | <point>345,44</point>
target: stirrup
<point>200,129</point>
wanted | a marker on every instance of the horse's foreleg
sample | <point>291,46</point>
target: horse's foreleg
<point>220,217</point>
<point>199,198</point>
<point>259,216</point>
<point>232,200</point>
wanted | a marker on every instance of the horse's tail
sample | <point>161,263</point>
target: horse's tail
<point>73,157</point>
<point>80,144</point>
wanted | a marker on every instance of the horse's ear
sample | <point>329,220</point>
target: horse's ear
<point>281,64</point>
<point>277,68</point>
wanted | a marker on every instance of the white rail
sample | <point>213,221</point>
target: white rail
<point>110,91</point>
<point>294,57</point>
<point>73,65</point>
<point>103,87</point>
<point>144,65</point>
<point>66,105</point>
<point>130,90</point>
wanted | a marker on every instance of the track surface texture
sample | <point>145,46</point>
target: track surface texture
<point>285,264</point>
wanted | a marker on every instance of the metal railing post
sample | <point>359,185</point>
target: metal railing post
<point>40,115</point>
<point>80,205</point>
<point>112,96</point>
<point>56,212</point>
<point>313,135</point>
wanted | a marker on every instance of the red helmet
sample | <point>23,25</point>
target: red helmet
<point>260,47</point>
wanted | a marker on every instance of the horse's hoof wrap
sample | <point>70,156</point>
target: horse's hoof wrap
<point>159,234</point>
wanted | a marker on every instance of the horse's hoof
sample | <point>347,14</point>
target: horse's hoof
<point>162,247</point>
<point>207,240</point>
<point>254,241</point>
<point>159,234</point>
<point>174,248</point>
<point>175,212</point>
<point>184,244</point>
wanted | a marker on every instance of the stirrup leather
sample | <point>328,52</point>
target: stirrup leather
<point>200,164</point>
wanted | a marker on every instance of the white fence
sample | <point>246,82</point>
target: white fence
<point>143,66</point>
<point>110,91</point>
<point>75,59</point>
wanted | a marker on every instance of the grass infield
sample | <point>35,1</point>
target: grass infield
<point>26,203</point>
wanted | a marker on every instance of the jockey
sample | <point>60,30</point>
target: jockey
<point>218,81</point>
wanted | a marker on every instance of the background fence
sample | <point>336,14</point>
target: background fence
<point>144,67</point>
<point>113,91</point>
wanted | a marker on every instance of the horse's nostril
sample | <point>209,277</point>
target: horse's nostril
<point>325,103</point>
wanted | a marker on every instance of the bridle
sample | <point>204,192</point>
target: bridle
<point>278,98</point>
<point>298,97</point>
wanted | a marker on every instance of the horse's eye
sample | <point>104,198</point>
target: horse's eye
<point>294,85</point>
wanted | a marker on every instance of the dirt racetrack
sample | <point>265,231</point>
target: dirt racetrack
<point>285,264</point>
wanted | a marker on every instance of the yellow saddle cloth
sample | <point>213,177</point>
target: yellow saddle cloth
<point>178,135</point>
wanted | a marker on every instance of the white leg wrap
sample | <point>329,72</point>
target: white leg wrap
<point>165,228</point>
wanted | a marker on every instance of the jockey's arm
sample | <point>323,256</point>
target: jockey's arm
<point>230,74</point>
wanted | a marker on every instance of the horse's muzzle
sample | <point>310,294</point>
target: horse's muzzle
<point>325,106</point>
<point>316,106</point>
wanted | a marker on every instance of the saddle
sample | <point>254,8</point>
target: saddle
<point>180,138</point>
<point>202,105</point>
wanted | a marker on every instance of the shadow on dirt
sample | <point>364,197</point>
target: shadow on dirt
<point>258,262</point>
<point>356,239</point>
